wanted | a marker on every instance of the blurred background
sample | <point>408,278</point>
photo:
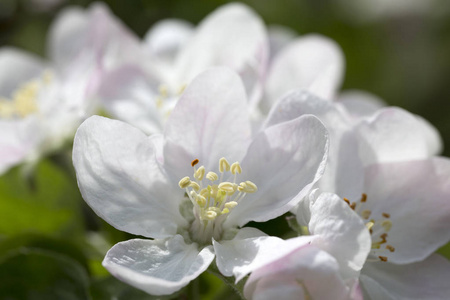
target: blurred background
<point>398,50</point>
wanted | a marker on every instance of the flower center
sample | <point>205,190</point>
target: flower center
<point>24,99</point>
<point>213,198</point>
<point>378,229</point>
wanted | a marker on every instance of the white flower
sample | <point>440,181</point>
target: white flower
<point>385,167</point>
<point>144,93</point>
<point>325,267</point>
<point>42,103</point>
<point>179,189</point>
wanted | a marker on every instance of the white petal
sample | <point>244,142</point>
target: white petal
<point>119,177</point>
<point>313,62</point>
<point>16,68</point>
<point>210,121</point>
<point>232,36</point>
<point>305,273</point>
<point>158,267</point>
<point>394,134</point>
<point>19,140</point>
<point>128,94</point>
<point>342,233</point>
<point>360,103</point>
<point>68,34</point>
<point>242,254</point>
<point>344,172</point>
<point>427,279</point>
<point>165,39</point>
<point>284,161</point>
<point>415,194</point>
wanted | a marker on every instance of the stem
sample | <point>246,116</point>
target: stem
<point>237,288</point>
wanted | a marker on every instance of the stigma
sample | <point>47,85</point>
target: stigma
<point>213,197</point>
<point>378,229</point>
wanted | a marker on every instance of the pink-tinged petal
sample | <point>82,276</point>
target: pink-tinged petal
<point>242,255</point>
<point>16,68</point>
<point>342,233</point>
<point>284,161</point>
<point>129,94</point>
<point>432,136</point>
<point>360,103</point>
<point>233,36</point>
<point>415,195</point>
<point>305,273</point>
<point>158,267</point>
<point>427,279</point>
<point>312,62</point>
<point>120,178</point>
<point>92,36</point>
<point>165,39</point>
<point>210,121</point>
<point>394,134</point>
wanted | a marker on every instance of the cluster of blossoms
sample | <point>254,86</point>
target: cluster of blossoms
<point>226,123</point>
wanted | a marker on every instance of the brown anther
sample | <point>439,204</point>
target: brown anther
<point>383,238</point>
<point>390,248</point>
<point>353,205</point>
<point>383,258</point>
<point>363,197</point>
<point>386,215</point>
<point>194,162</point>
<point>347,201</point>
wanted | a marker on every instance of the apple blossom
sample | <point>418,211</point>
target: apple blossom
<point>144,93</point>
<point>192,187</point>
<point>42,103</point>
<point>384,166</point>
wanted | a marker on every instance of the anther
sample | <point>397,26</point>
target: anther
<point>363,198</point>
<point>347,201</point>
<point>224,165</point>
<point>386,215</point>
<point>228,187</point>
<point>194,185</point>
<point>390,248</point>
<point>247,187</point>
<point>199,173</point>
<point>369,225</point>
<point>231,204</point>
<point>353,205</point>
<point>184,182</point>
<point>236,168</point>
<point>365,214</point>
<point>201,201</point>
<point>387,225</point>
<point>383,258</point>
<point>212,176</point>
<point>194,162</point>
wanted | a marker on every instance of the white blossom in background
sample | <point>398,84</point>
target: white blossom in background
<point>192,187</point>
<point>385,167</point>
<point>143,94</point>
<point>43,102</point>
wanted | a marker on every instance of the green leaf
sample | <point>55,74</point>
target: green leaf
<point>47,201</point>
<point>38,274</point>
<point>40,242</point>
